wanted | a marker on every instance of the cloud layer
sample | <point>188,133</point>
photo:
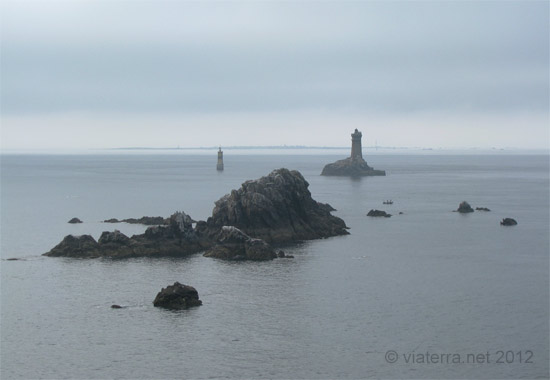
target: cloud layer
<point>191,60</point>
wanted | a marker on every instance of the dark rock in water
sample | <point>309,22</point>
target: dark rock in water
<point>14,259</point>
<point>351,167</point>
<point>146,220</point>
<point>400,212</point>
<point>281,254</point>
<point>508,222</point>
<point>74,221</point>
<point>482,209</point>
<point>83,246</point>
<point>464,207</point>
<point>177,297</point>
<point>233,244</point>
<point>116,307</point>
<point>176,239</point>
<point>378,213</point>
<point>277,208</point>
<point>112,220</point>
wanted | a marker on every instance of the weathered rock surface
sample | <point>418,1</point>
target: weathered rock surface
<point>378,213</point>
<point>508,222</point>
<point>176,239</point>
<point>277,208</point>
<point>177,296</point>
<point>146,220</point>
<point>233,244</point>
<point>351,167</point>
<point>74,221</point>
<point>464,207</point>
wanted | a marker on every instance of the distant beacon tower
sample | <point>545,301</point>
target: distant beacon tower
<point>356,149</point>
<point>219,166</point>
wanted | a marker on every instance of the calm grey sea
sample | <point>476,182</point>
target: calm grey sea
<point>401,297</point>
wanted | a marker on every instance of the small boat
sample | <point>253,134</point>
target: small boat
<point>390,202</point>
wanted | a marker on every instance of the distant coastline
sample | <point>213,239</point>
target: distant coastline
<point>285,149</point>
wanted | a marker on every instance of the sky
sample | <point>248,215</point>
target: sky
<point>105,74</point>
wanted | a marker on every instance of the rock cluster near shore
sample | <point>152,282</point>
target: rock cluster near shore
<point>277,208</point>
<point>176,239</point>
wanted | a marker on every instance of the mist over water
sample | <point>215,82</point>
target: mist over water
<point>427,281</point>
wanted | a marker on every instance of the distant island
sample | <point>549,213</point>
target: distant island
<point>353,166</point>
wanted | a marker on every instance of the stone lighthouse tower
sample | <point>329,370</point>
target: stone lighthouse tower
<point>219,166</point>
<point>356,149</point>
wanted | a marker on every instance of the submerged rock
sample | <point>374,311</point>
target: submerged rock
<point>74,221</point>
<point>482,209</point>
<point>464,207</point>
<point>378,213</point>
<point>508,222</point>
<point>277,208</point>
<point>233,244</point>
<point>177,296</point>
<point>176,239</point>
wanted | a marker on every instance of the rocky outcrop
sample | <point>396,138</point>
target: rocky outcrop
<point>482,209</point>
<point>176,239</point>
<point>277,208</point>
<point>74,221</point>
<point>464,207</point>
<point>378,213</point>
<point>177,296</point>
<point>508,222</point>
<point>233,244</point>
<point>83,246</point>
<point>351,167</point>
<point>146,220</point>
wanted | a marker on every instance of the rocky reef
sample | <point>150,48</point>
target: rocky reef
<point>351,167</point>
<point>277,208</point>
<point>177,297</point>
<point>378,213</point>
<point>233,244</point>
<point>146,220</point>
<point>176,239</point>
<point>74,221</point>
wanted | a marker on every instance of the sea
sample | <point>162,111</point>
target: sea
<point>427,293</point>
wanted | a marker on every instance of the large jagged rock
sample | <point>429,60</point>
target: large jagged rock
<point>83,246</point>
<point>351,167</point>
<point>277,208</point>
<point>177,296</point>
<point>176,239</point>
<point>233,244</point>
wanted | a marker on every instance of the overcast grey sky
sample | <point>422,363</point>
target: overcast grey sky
<point>92,74</point>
